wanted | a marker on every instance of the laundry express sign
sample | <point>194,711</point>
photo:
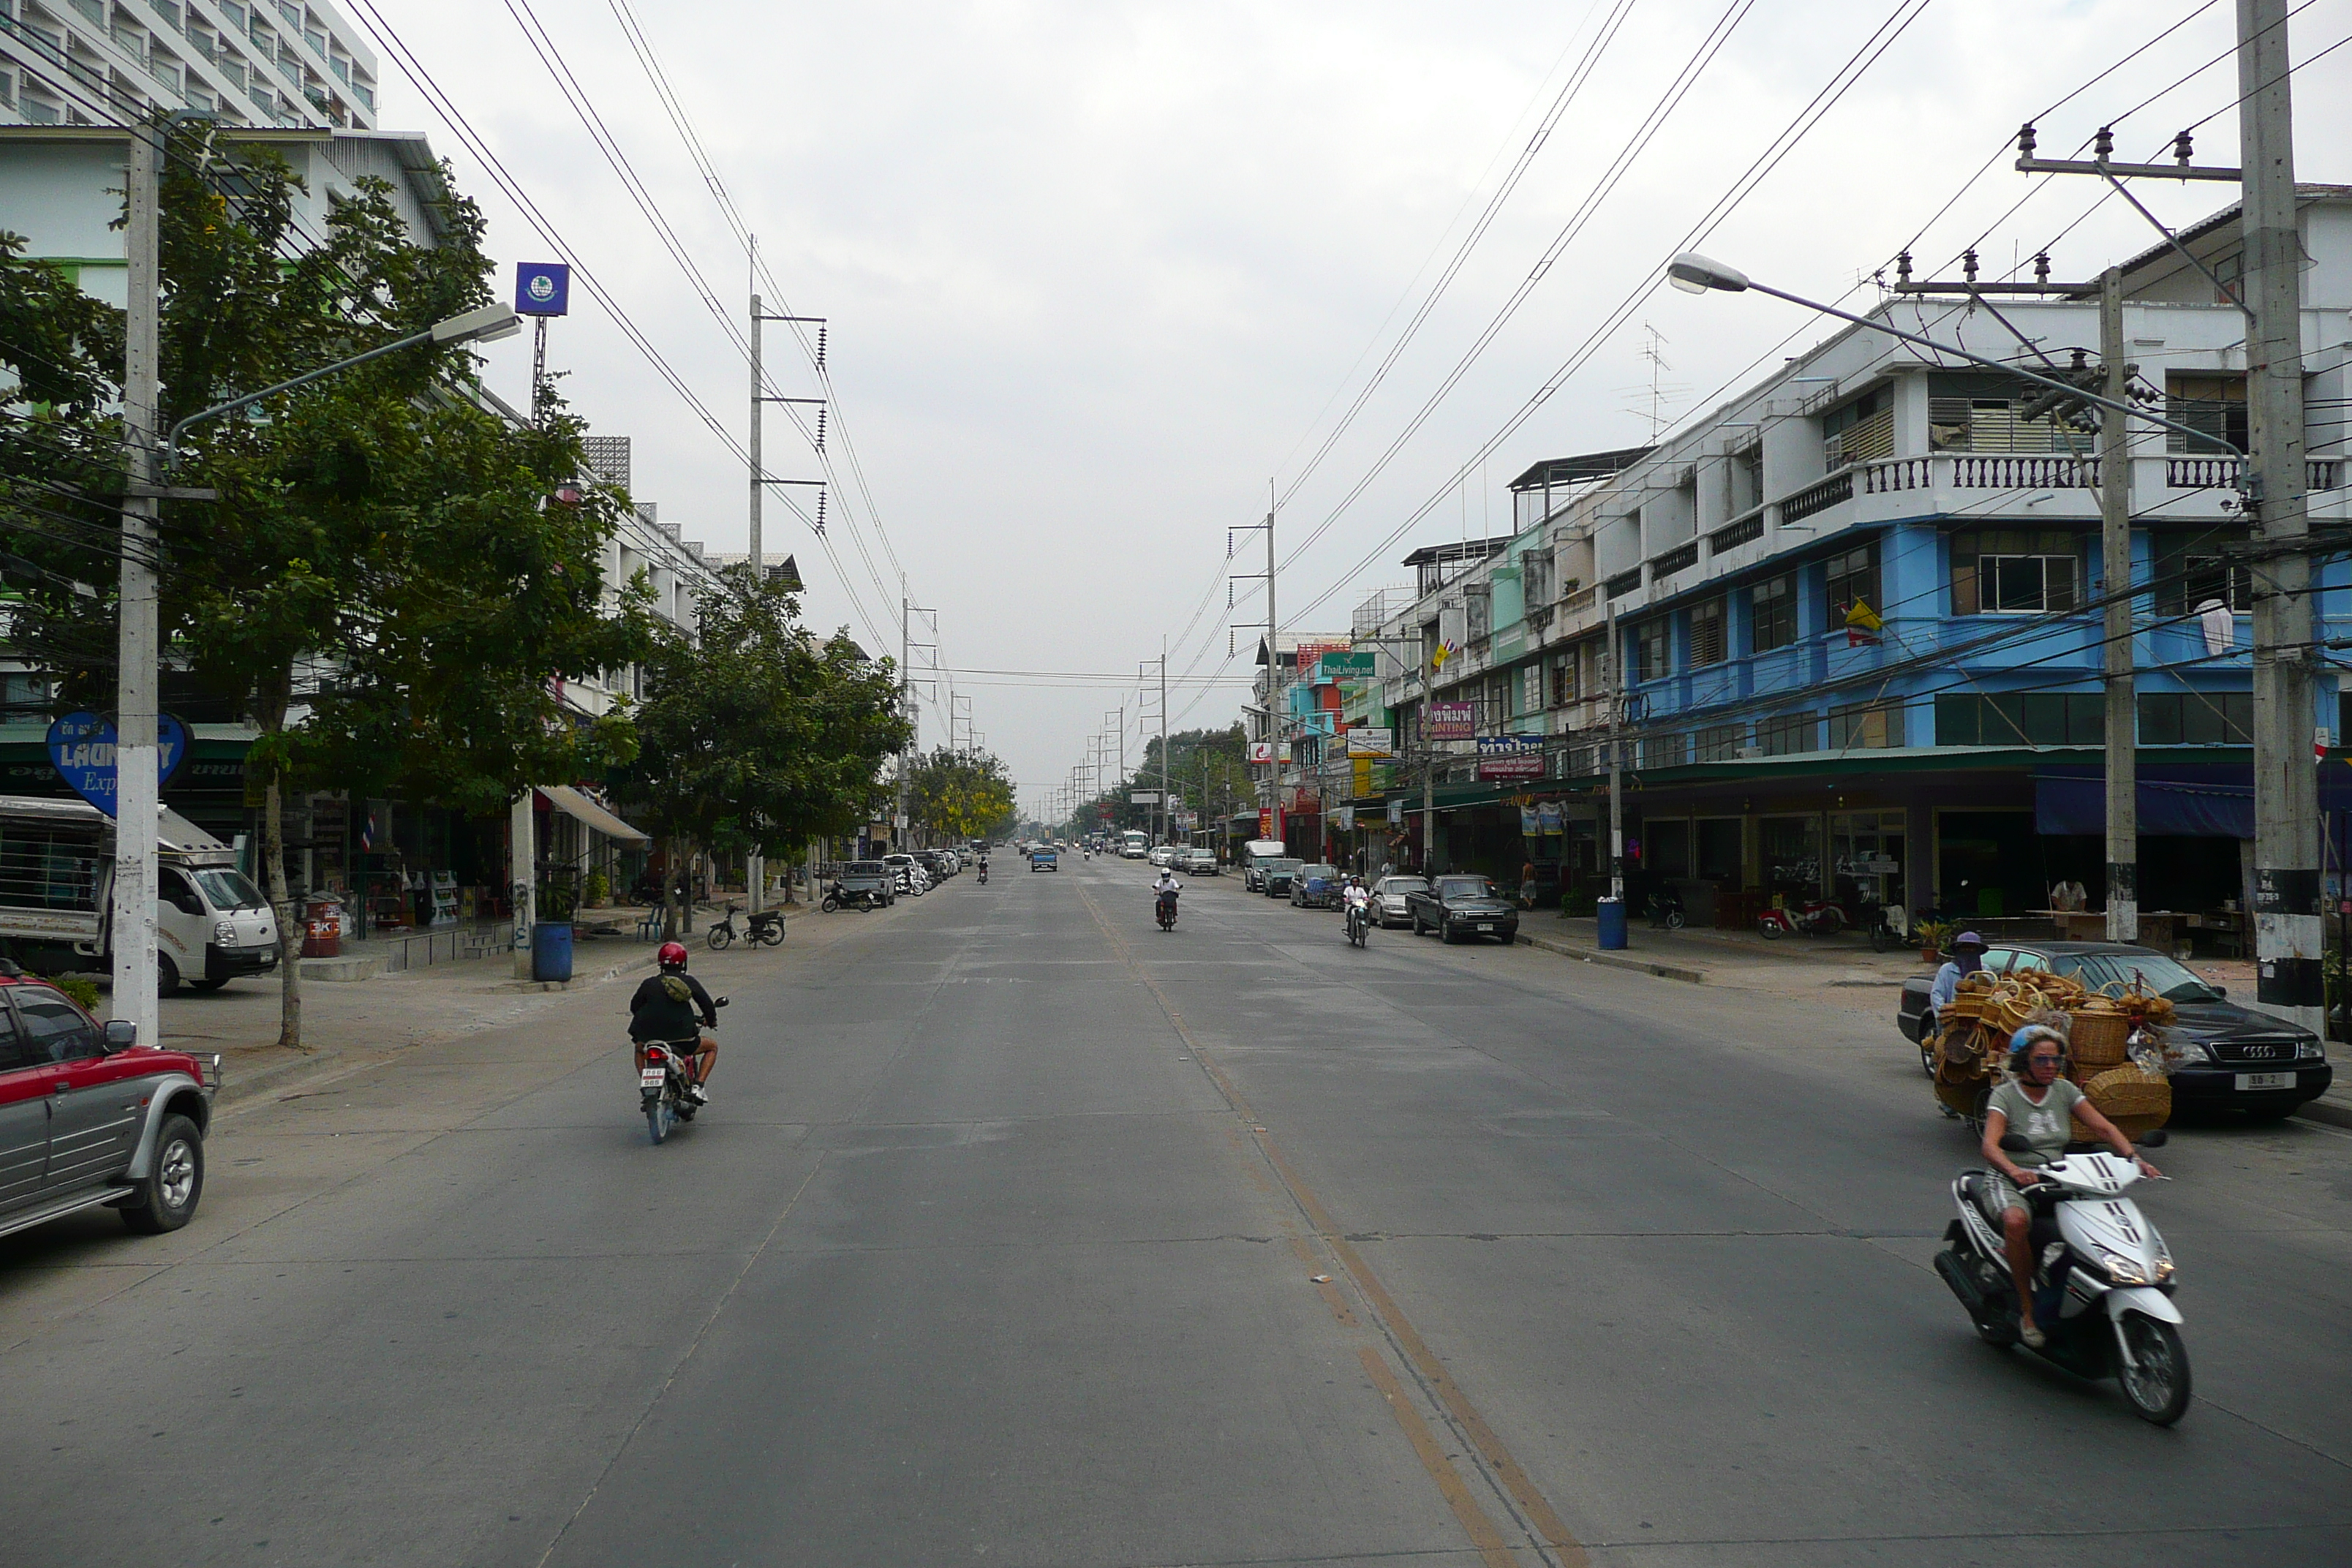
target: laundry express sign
<point>82,749</point>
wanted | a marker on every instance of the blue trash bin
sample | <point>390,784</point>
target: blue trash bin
<point>1612,923</point>
<point>551,950</point>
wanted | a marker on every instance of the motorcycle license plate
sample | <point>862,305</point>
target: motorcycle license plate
<point>649,1077</point>
<point>2266,1080</point>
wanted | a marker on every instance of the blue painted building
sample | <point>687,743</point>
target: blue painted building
<point>1856,617</point>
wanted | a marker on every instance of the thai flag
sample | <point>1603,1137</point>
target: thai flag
<point>367,834</point>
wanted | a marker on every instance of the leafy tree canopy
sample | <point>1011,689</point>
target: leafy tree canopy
<point>957,795</point>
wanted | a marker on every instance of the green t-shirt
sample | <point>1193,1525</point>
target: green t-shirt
<point>2049,1126</point>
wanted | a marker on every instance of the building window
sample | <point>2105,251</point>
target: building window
<point>1853,577</point>
<point>2191,569</point>
<point>1788,734</point>
<point>2015,570</point>
<point>1720,742</point>
<point>1862,430</point>
<point>1563,681</point>
<point>1747,479</point>
<point>1665,750</point>
<point>1706,637</point>
<point>1531,689</point>
<point>2021,718</point>
<point>1973,412</point>
<point>2196,718</point>
<point>2213,405</point>
<point>1480,604</point>
<point>1866,724</point>
<point>1652,649</point>
<point>1772,613</point>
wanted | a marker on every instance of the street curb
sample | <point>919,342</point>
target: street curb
<point>244,1085</point>
<point>1616,960</point>
<point>2319,1110</point>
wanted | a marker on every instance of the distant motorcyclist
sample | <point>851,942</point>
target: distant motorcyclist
<point>665,1008</point>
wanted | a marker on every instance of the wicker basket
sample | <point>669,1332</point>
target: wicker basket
<point>2137,1102</point>
<point>1966,1099</point>
<point>2098,1038</point>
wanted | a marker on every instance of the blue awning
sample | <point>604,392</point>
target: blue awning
<point>2166,809</point>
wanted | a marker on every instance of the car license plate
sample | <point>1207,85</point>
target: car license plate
<point>649,1077</point>
<point>1487,926</point>
<point>2266,1080</point>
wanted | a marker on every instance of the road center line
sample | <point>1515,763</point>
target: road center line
<point>1537,1510</point>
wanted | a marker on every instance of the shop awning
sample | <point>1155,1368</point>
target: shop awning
<point>2079,806</point>
<point>580,809</point>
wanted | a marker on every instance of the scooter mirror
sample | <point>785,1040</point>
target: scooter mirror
<point>719,1000</point>
<point>2156,1138</point>
<point>2014,1142</point>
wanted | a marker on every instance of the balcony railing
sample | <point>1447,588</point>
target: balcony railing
<point>1675,560</point>
<point>2017,472</point>
<point>2224,473</point>
<point>1837,488</point>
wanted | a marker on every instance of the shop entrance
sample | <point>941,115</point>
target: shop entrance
<point>1987,862</point>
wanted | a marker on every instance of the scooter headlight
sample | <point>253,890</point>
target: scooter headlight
<point>2123,1270</point>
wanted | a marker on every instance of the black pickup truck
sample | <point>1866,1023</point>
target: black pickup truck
<point>1460,907</point>
<point>2238,1059</point>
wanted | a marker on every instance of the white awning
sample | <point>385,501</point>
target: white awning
<point>578,807</point>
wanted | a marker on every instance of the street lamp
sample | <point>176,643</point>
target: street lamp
<point>486,325</point>
<point>1695,274</point>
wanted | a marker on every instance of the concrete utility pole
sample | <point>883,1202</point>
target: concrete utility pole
<point>1274,725</point>
<point>899,835</point>
<point>755,871</point>
<point>1167,806</point>
<point>2288,932</point>
<point>2114,548</point>
<point>137,776</point>
<point>1616,770</point>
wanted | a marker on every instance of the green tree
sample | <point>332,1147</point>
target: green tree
<point>381,585</point>
<point>752,732</point>
<point>957,795</point>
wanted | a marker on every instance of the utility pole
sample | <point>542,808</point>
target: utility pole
<point>2288,932</point>
<point>906,707</point>
<point>2115,548</point>
<point>1274,724</point>
<point>755,871</point>
<point>1166,809</point>
<point>137,777</point>
<point>1616,770</point>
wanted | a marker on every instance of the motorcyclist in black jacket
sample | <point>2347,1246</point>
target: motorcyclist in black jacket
<point>665,1008</point>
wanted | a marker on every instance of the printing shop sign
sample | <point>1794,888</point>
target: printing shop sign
<point>1503,757</point>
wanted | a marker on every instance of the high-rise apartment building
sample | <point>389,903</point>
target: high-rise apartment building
<point>269,63</point>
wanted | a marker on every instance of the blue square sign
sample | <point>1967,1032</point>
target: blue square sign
<point>542,288</point>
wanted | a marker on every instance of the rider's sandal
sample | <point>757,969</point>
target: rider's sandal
<point>2033,1335</point>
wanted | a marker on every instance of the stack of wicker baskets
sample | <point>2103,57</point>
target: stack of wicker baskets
<point>1986,1011</point>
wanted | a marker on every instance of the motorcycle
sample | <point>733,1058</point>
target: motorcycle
<point>1666,912</point>
<point>2103,1278</point>
<point>1164,910</point>
<point>767,928</point>
<point>1360,920</point>
<point>1818,917</point>
<point>663,1074</point>
<point>983,873</point>
<point>1890,928</point>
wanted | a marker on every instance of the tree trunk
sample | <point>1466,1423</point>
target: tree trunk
<point>670,876</point>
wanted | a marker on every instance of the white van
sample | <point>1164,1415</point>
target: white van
<point>57,887</point>
<point>1255,855</point>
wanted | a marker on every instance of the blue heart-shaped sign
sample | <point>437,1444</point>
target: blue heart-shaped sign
<point>83,746</point>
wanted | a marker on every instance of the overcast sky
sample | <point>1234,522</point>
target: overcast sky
<point>1096,272</point>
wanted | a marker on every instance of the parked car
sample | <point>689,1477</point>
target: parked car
<point>1274,876</point>
<point>1316,887</point>
<point>1389,907</point>
<point>1253,857</point>
<point>1198,862</point>
<point>2238,1059</point>
<point>89,1116</point>
<point>1162,853</point>
<point>1044,857</point>
<point>1459,907</point>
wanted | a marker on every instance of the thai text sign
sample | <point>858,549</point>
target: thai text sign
<point>1510,757</point>
<point>1368,742</point>
<point>1450,721</point>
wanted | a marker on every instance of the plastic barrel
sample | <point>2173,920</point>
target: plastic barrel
<point>1612,923</point>
<point>551,950</point>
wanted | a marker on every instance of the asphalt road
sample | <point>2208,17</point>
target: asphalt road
<point>1020,1232</point>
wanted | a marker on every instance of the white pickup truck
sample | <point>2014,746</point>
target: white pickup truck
<point>57,877</point>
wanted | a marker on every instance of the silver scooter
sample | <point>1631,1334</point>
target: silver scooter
<point>2103,1278</point>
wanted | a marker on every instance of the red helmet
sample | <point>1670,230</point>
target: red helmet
<point>672,955</point>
